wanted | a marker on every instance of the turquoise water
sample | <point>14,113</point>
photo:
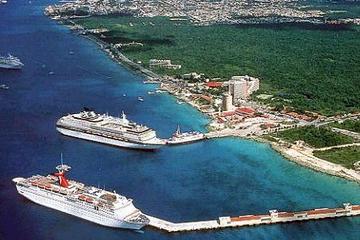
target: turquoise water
<point>191,182</point>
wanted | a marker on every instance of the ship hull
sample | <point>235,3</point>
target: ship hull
<point>185,141</point>
<point>81,211</point>
<point>14,67</point>
<point>109,141</point>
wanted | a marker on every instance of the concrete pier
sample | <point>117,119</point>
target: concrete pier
<point>272,217</point>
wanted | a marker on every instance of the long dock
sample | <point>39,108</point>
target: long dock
<point>273,217</point>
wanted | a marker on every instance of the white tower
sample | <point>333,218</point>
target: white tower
<point>227,104</point>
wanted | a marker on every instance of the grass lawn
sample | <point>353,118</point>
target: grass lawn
<point>343,156</point>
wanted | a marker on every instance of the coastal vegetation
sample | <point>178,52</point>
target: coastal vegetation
<point>344,156</point>
<point>317,137</point>
<point>305,66</point>
<point>351,125</point>
<point>335,9</point>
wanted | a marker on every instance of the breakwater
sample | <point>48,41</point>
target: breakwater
<point>273,217</point>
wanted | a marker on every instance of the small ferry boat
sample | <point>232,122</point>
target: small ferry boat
<point>186,137</point>
<point>3,86</point>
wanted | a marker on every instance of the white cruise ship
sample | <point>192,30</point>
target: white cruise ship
<point>109,130</point>
<point>86,202</point>
<point>186,137</point>
<point>10,62</point>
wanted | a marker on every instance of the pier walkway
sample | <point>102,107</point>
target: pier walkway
<point>226,133</point>
<point>249,220</point>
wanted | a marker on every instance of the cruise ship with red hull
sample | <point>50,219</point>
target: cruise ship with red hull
<point>87,202</point>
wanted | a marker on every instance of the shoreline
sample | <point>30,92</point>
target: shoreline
<point>290,154</point>
<point>317,164</point>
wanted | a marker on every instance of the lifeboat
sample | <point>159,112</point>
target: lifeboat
<point>89,200</point>
<point>82,197</point>
<point>63,192</point>
<point>48,187</point>
<point>56,190</point>
<point>34,184</point>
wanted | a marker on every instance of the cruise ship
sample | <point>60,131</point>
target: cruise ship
<point>185,137</point>
<point>109,130</point>
<point>90,203</point>
<point>10,62</point>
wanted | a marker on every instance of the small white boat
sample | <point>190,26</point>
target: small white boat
<point>160,91</point>
<point>3,86</point>
<point>151,92</point>
<point>185,137</point>
<point>179,102</point>
<point>140,99</point>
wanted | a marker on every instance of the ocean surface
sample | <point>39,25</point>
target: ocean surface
<point>200,181</point>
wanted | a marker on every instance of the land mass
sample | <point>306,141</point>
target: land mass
<point>306,69</point>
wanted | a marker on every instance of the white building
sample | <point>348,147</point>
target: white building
<point>164,63</point>
<point>241,87</point>
<point>227,104</point>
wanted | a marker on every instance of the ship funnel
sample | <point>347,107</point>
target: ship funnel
<point>123,116</point>
<point>61,173</point>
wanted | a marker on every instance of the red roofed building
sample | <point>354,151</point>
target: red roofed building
<point>220,120</point>
<point>214,84</point>
<point>246,111</point>
<point>206,98</point>
<point>228,113</point>
<point>267,125</point>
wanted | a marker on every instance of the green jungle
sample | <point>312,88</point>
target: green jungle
<point>304,66</point>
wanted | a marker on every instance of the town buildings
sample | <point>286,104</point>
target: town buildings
<point>163,64</point>
<point>199,12</point>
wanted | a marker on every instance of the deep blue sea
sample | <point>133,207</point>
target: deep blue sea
<point>192,182</point>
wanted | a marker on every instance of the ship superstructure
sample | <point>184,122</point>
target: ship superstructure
<point>93,204</point>
<point>185,137</point>
<point>109,130</point>
<point>10,62</point>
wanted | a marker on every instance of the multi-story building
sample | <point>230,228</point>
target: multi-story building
<point>227,104</point>
<point>163,63</point>
<point>241,87</point>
